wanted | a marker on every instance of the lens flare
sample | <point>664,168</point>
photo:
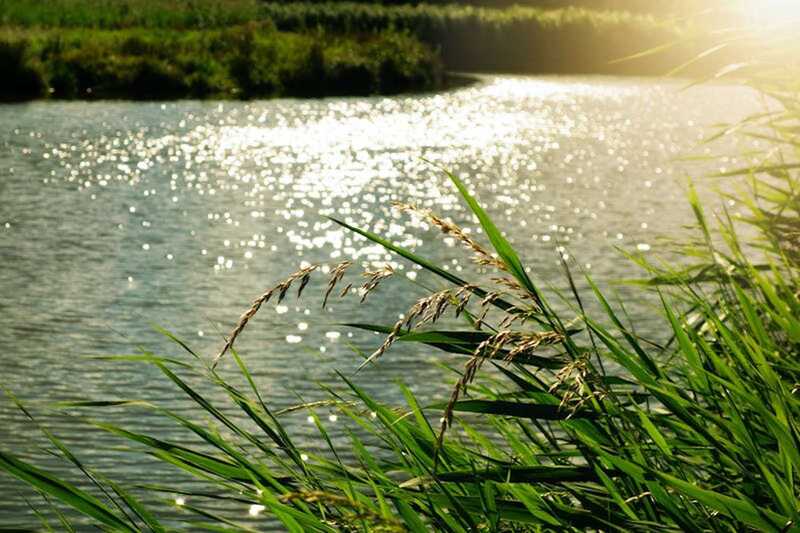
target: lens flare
<point>773,12</point>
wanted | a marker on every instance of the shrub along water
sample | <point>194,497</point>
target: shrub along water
<point>240,61</point>
<point>23,78</point>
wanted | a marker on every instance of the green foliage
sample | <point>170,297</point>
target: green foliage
<point>110,14</point>
<point>251,60</point>
<point>517,38</point>
<point>23,75</point>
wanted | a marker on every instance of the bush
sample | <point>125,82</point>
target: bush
<point>348,75</point>
<point>254,63</point>
<point>249,61</point>
<point>306,76</point>
<point>398,56</point>
<point>153,79</point>
<point>23,78</point>
<point>205,76</point>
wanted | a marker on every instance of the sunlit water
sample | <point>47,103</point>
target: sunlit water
<point>115,216</point>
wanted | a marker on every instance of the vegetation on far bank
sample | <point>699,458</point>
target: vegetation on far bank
<point>216,13</point>
<point>662,7</point>
<point>77,48</point>
<point>251,60</point>
<point>515,39</point>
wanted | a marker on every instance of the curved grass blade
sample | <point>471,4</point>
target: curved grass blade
<point>463,343</point>
<point>522,410</point>
<point>63,491</point>
<point>501,245</point>
<point>523,474</point>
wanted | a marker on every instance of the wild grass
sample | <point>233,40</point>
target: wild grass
<point>583,423</point>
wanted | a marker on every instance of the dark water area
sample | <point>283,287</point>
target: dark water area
<point>115,216</point>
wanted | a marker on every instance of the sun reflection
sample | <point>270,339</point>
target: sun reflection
<point>772,12</point>
<point>256,509</point>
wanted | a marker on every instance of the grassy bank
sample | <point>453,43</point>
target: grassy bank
<point>305,48</point>
<point>251,60</point>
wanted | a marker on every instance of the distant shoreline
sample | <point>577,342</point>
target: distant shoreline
<point>240,62</point>
<point>450,82</point>
<point>245,49</point>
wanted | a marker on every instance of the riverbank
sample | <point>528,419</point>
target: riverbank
<point>150,49</point>
<point>245,61</point>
